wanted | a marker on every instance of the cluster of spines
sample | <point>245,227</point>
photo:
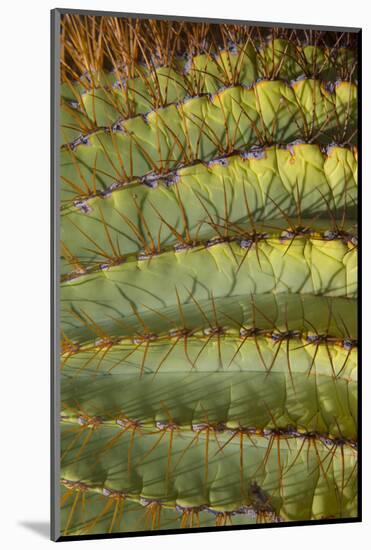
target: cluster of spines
<point>172,176</point>
<point>160,426</point>
<point>88,128</point>
<point>189,516</point>
<point>221,226</point>
<point>91,47</point>
<point>245,241</point>
<point>92,44</point>
<point>323,447</point>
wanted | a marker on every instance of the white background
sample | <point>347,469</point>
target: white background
<point>24,298</point>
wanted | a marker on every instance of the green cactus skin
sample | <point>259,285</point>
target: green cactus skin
<point>208,266</point>
<point>203,128</point>
<point>186,469</point>
<point>206,73</point>
<point>263,196</point>
<point>276,268</point>
<point>271,108</point>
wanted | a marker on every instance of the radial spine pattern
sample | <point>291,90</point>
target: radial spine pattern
<point>208,184</point>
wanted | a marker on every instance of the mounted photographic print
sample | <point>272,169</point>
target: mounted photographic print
<point>205,243</point>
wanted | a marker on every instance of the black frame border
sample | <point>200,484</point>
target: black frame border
<point>54,286</point>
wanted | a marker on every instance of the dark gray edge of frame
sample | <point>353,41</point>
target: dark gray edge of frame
<point>54,255</point>
<point>360,275</point>
<point>63,11</point>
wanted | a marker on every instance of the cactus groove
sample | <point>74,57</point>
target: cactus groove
<point>208,293</point>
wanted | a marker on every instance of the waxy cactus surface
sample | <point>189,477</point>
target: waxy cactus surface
<point>208,294</point>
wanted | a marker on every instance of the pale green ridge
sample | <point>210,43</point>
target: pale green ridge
<point>205,195</point>
<point>187,470</point>
<point>203,127</point>
<point>302,266</point>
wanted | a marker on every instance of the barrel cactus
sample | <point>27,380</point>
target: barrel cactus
<point>208,294</point>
